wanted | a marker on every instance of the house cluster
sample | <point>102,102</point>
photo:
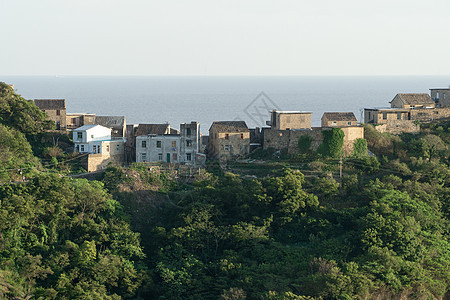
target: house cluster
<point>408,110</point>
<point>105,139</point>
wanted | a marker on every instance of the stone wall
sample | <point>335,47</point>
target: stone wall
<point>398,127</point>
<point>430,114</point>
<point>288,139</point>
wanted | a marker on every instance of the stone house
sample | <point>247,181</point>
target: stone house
<point>116,123</point>
<point>75,120</point>
<point>339,119</point>
<point>96,142</point>
<point>171,147</point>
<point>385,115</point>
<point>283,120</point>
<point>441,97</point>
<point>55,109</point>
<point>412,101</point>
<point>228,139</point>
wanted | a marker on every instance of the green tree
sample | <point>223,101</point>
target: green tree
<point>21,114</point>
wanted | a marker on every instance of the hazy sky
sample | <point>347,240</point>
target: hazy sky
<point>225,37</point>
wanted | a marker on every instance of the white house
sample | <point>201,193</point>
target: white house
<point>89,138</point>
<point>171,148</point>
<point>96,141</point>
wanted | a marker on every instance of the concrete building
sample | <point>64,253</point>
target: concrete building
<point>170,146</point>
<point>76,120</point>
<point>339,119</point>
<point>228,139</point>
<point>283,120</point>
<point>412,101</point>
<point>100,147</point>
<point>441,97</point>
<point>55,109</point>
<point>134,130</point>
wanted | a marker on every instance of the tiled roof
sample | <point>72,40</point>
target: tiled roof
<point>50,103</point>
<point>414,99</point>
<point>230,126</point>
<point>110,121</point>
<point>339,116</point>
<point>144,129</point>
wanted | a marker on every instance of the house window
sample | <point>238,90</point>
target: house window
<point>158,144</point>
<point>349,123</point>
<point>174,157</point>
<point>107,148</point>
<point>92,136</point>
<point>174,144</point>
<point>79,135</point>
<point>227,136</point>
<point>188,156</point>
<point>159,156</point>
<point>384,116</point>
<point>94,149</point>
<point>412,106</point>
<point>188,143</point>
<point>58,112</point>
<point>144,157</point>
<point>333,123</point>
<point>81,148</point>
<point>227,148</point>
<point>399,116</point>
<point>437,95</point>
<point>242,136</point>
<point>117,148</point>
<point>144,144</point>
<point>188,131</point>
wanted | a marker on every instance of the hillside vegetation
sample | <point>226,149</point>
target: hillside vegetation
<point>286,227</point>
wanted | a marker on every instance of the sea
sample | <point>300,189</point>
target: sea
<point>182,99</point>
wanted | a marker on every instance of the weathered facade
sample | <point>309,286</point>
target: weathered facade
<point>385,115</point>
<point>339,119</point>
<point>181,147</point>
<point>441,97</point>
<point>288,139</point>
<point>55,109</point>
<point>228,139</point>
<point>283,120</point>
<point>412,101</point>
<point>76,120</point>
<point>134,130</point>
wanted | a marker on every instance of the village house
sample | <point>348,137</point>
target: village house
<point>75,120</point>
<point>170,146</point>
<point>134,130</point>
<point>101,149</point>
<point>412,101</point>
<point>228,139</point>
<point>339,119</point>
<point>55,109</point>
<point>284,120</point>
<point>441,97</point>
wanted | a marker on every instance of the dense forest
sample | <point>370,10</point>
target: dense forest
<point>274,226</point>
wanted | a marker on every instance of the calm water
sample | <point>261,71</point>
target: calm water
<point>207,99</point>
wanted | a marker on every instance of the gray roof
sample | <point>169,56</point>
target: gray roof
<point>339,116</point>
<point>110,121</point>
<point>230,126</point>
<point>87,127</point>
<point>50,103</point>
<point>144,129</point>
<point>415,99</point>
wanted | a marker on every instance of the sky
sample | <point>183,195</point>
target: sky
<point>225,37</point>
